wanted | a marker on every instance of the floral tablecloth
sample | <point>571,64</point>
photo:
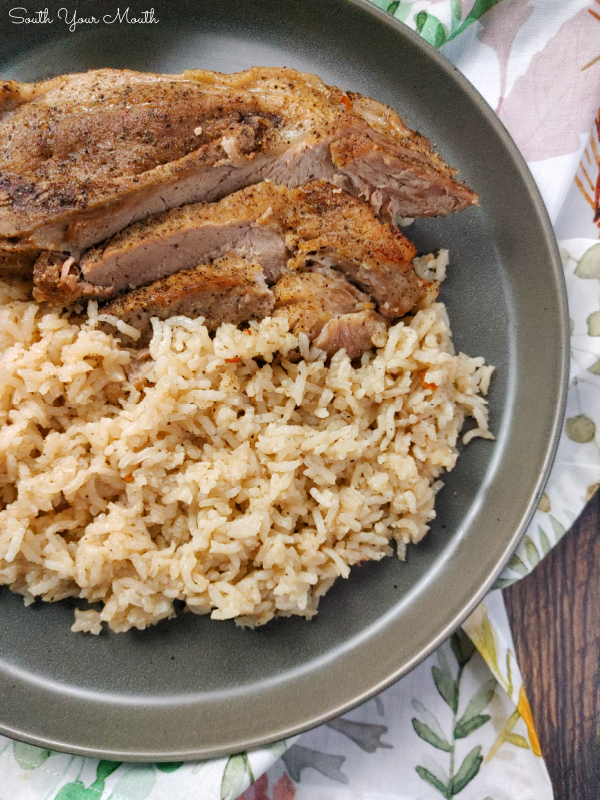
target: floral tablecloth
<point>460,723</point>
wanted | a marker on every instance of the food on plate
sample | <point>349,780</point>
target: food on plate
<point>229,289</point>
<point>225,377</point>
<point>214,470</point>
<point>83,156</point>
<point>328,309</point>
<point>281,229</point>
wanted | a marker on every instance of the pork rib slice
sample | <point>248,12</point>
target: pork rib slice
<point>265,223</point>
<point>230,289</point>
<point>17,260</point>
<point>333,314</point>
<point>83,156</point>
<point>342,232</point>
<point>242,223</point>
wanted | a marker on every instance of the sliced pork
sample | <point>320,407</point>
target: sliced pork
<point>373,265</point>
<point>83,156</point>
<point>243,223</point>
<point>230,289</point>
<point>17,260</point>
<point>342,232</point>
<point>314,224</point>
<point>333,314</point>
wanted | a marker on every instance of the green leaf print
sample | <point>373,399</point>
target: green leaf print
<point>479,701</point>
<point>28,756</point>
<point>135,784</point>
<point>169,766</point>
<point>276,749</point>
<point>544,541</point>
<point>431,29</point>
<point>480,7</point>
<point>471,720</point>
<point>106,768</point>
<point>589,264</point>
<point>593,324</point>
<point>76,791</point>
<point>399,10</point>
<point>581,429</point>
<point>468,769</point>
<point>425,733</point>
<point>502,583</point>
<point>558,528</point>
<point>433,781</point>
<point>428,718</point>
<point>463,729</point>
<point>446,687</point>
<point>456,13</point>
<point>517,565</point>
<point>462,647</point>
<point>532,552</point>
<point>237,776</point>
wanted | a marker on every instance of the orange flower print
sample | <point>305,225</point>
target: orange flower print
<point>525,711</point>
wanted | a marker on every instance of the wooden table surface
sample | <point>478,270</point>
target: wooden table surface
<point>555,617</point>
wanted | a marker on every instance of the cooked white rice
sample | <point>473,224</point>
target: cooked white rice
<point>216,472</point>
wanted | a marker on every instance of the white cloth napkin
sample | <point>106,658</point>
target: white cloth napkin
<point>459,724</point>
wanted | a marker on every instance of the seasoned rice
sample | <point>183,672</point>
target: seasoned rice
<point>239,473</point>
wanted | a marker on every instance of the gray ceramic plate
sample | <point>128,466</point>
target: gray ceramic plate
<point>192,687</point>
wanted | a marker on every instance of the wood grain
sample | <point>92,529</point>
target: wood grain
<point>555,617</point>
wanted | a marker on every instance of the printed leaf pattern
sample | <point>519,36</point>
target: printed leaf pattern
<point>588,266</point>
<point>106,768</point>
<point>366,735</point>
<point>479,701</point>
<point>517,565</point>
<point>488,642</point>
<point>169,766</point>
<point>237,776</point>
<point>430,27</point>
<point>430,778</point>
<point>564,97</point>
<point>502,583</point>
<point>429,729</point>
<point>28,756</point>
<point>135,784</point>
<point>480,7</point>
<point>544,541</point>
<point>498,30</point>
<point>468,769</point>
<point>462,647</point>
<point>532,553</point>
<point>299,758</point>
<point>557,527</point>
<point>593,329</point>
<point>76,790</point>
<point>425,732</point>
<point>582,429</point>
<point>463,729</point>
